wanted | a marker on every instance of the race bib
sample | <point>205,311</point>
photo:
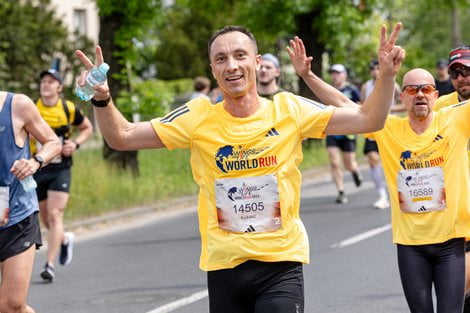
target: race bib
<point>248,204</point>
<point>4,205</point>
<point>421,190</point>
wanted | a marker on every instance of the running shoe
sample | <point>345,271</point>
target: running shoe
<point>357,177</point>
<point>66,249</point>
<point>341,198</point>
<point>47,273</point>
<point>382,203</point>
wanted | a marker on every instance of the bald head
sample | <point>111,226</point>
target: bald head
<point>417,76</point>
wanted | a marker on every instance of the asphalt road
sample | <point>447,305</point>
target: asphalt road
<point>151,265</point>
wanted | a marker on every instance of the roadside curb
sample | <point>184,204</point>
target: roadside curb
<point>126,216</point>
<point>134,214</point>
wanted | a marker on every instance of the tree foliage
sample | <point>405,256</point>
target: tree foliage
<point>122,23</point>
<point>343,31</point>
<point>427,32</point>
<point>324,26</point>
<point>31,37</point>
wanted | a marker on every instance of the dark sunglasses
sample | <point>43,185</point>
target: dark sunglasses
<point>414,89</point>
<point>454,73</point>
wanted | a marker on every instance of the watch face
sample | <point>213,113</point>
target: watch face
<point>39,159</point>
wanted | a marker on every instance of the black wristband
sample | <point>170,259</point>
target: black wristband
<point>39,159</point>
<point>100,103</point>
<point>77,145</point>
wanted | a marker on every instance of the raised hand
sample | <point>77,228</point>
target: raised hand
<point>390,56</point>
<point>298,56</point>
<point>101,90</point>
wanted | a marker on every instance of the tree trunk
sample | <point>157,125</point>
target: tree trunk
<point>314,48</point>
<point>108,26</point>
<point>456,36</point>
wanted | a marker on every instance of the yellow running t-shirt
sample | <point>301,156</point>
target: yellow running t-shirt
<point>427,176</point>
<point>446,100</point>
<point>247,172</point>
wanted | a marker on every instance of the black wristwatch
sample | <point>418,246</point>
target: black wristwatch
<point>100,103</point>
<point>77,145</point>
<point>39,159</point>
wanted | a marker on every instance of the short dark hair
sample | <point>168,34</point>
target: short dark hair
<point>201,82</point>
<point>229,29</point>
<point>373,64</point>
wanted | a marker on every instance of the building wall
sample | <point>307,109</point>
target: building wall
<point>79,14</point>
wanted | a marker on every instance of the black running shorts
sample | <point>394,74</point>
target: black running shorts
<point>254,286</point>
<point>344,144</point>
<point>57,180</point>
<point>19,237</point>
<point>370,145</point>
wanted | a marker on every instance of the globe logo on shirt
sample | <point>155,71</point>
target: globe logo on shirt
<point>405,155</point>
<point>221,155</point>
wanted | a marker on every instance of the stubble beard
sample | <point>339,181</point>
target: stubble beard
<point>464,94</point>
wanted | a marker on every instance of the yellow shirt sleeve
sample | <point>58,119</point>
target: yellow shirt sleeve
<point>446,100</point>
<point>312,117</point>
<point>176,128</point>
<point>459,113</point>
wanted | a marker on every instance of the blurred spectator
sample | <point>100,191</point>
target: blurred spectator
<point>202,86</point>
<point>343,144</point>
<point>443,82</point>
<point>268,76</point>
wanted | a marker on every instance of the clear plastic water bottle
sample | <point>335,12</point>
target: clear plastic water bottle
<point>4,205</point>
<point>28,183</point>
<point>96,76</point>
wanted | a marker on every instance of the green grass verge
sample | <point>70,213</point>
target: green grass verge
<point>98,189</point>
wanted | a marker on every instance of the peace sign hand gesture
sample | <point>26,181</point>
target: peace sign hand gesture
<point>390,56</point>
<point>101,90</point>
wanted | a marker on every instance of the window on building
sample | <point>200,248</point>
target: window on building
<point>79,21</point>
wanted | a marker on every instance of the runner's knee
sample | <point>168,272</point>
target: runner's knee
<point>12,305</point>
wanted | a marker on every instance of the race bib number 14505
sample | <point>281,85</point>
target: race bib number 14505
<point>248,204</point>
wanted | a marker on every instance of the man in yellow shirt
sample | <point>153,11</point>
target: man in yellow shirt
<point>245,153</point>
<point>459,72</point>
<point>426,169</point>
<point>54,179</point>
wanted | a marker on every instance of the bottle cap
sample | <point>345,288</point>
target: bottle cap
<point>104,68</point>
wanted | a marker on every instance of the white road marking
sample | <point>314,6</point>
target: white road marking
<point>181,302</point>
<point>361,237</point>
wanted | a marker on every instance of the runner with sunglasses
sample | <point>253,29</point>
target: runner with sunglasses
<point>459,72</point>
<point>428,187</point>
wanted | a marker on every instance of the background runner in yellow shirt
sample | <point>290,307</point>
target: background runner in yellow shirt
<point>426,168</point>
<point>459,72</point>
<point>54,179</point>
<point>245,153</point>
